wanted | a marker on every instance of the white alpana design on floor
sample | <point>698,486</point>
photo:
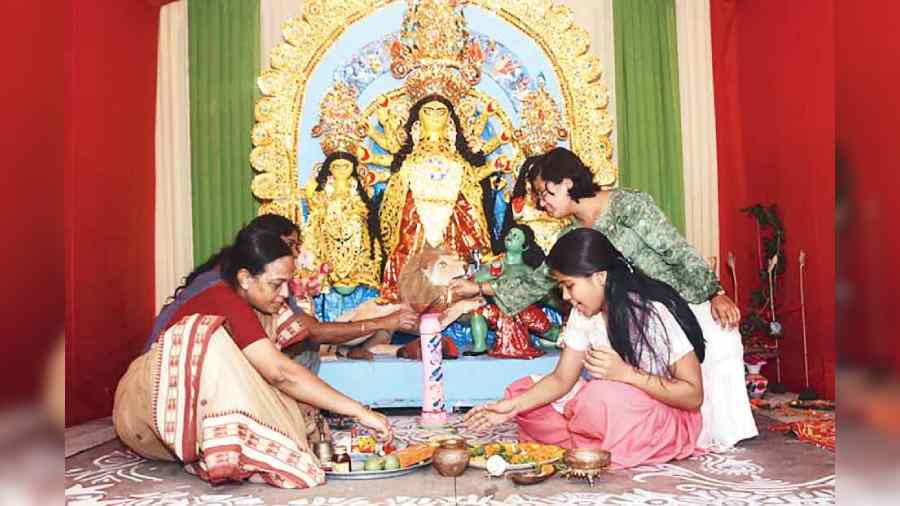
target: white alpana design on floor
<point>96,495</point>
<point>113,468</point>
<point>708,487</point>
<point>736,477</point>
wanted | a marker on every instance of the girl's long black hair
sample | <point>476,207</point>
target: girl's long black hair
<point>372,223</point>
<point>474,158</point>
<point>628,297</point>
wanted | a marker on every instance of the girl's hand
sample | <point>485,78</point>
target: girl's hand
<point>725,312</point>
<point>606,364</point>
<point>491,414</point>
<point>377,422</point>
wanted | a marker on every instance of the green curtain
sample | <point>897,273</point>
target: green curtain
<point>648,106</point>
<point>224,64</point>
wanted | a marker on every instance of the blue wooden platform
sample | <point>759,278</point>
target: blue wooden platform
<point>394,383</point>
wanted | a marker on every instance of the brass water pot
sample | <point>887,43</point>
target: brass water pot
<point>451,458</point>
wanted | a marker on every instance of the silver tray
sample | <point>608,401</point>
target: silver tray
<point>375,475</point>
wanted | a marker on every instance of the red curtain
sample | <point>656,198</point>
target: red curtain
<point>868,106</point>
<point>31,194</point>
<point>774,85</point>
<point>109,181</point>
<point>735,231</point>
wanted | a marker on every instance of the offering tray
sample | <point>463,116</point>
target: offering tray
<point>480,462</point>
<point>357,463</point>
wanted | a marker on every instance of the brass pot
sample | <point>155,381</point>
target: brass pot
<point>533,477</point>
<point>586,459</point>
<point>451,458</point>
<point>324,451</point>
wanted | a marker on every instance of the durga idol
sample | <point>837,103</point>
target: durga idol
<point>434,196</point>
<point>437,191</point>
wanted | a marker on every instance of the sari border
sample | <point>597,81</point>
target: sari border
<point>237,445</point>
<point>175,391</point>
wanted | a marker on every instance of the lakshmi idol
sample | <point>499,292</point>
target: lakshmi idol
<point>342,227</point>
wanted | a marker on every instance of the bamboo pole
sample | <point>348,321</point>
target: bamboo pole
<point>732,265</point>
<point>803,319</point>
<point>773,263</point>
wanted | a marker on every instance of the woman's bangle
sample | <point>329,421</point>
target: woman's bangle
<point>480,289</point>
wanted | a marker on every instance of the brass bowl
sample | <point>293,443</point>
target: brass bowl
<point>531,477</point>
<point>586,459</point>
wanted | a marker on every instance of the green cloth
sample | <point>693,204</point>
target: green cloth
<point>648,110</point>
<point>224,64</point>
<point>639,230</point>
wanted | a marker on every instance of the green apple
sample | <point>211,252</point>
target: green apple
<point>391,462</point>
<point>373,464</point>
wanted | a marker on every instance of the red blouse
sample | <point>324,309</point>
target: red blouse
<point>221,300</point>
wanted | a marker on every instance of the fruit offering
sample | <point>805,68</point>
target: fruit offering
<point>391,462</point>
<point>374,464</point>
<point>515,453</point>
<point>414,454</point>
<point>366,444</point>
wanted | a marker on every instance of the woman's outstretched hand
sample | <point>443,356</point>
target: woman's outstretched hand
<point>491,414</point>
<point>378,423</point>
<point>463,289</point>
<point>725,312</point>
<point>404,320</point>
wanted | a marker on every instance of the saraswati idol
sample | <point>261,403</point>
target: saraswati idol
<point>342,227</point>
<point>438,193</point>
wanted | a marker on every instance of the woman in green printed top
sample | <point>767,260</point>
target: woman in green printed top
<point>633,223</point>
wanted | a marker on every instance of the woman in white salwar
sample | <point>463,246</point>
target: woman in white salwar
<point>633,223</point>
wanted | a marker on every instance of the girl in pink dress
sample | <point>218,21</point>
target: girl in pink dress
<point>628,379</point>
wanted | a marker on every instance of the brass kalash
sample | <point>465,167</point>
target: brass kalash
<point>435,161</point>
<point>585,463</point>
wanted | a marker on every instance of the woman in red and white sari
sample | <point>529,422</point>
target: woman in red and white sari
<point>216,393</point>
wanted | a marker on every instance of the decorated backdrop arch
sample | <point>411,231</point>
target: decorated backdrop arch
<point>530,54</point>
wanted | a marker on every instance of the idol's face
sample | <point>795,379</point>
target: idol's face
<point>584,293</point>
<point>434,116</point>
<point>515,240</point>
<point>341,169</point>
<point>447,268</point>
